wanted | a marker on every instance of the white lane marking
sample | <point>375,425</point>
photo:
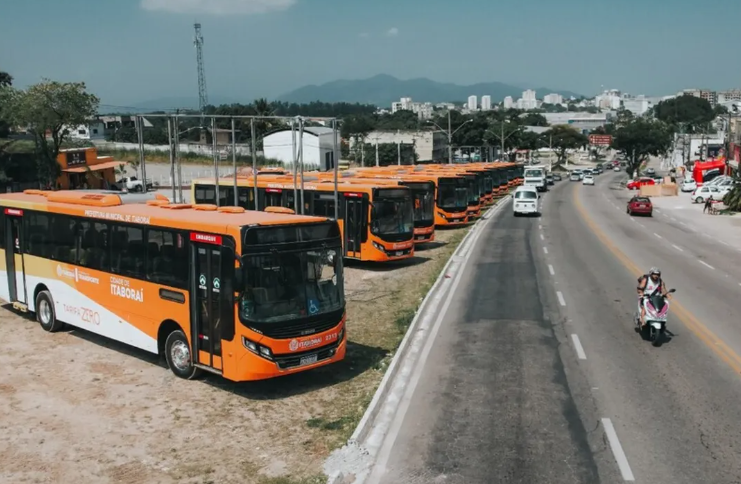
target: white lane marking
<point>678,248</point>
<point>657,235</point>
<point>657,210</point>
<point>541,237</point>
<point>682,223</point>
<point>540,227</point>
<point>617,450</point>
<point>706,264</point>
<point>724,243</point>
<point>578,347</point>
<point>545,249</point>
<point>672,219</point>
<point>561,300</point>
<point>639,223</point>
<point>550,269</point>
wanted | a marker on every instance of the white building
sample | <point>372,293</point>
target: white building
<point>579,120</point>
<point>528,100</point>
<point>318,147</point>
<point>92,131</point>
<point>422,110</point>
<point>486,103</point>
<point>429,145</point>
<point>472,103</point>
<point>553,99</point>
<point>508,102</point>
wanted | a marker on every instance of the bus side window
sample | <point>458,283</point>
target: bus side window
<point>128,252</point>
<point>93,245</point>
<point>38,233</point>
<point>167,258</point>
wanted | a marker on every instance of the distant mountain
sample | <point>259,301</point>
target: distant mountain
<point>383,89</point>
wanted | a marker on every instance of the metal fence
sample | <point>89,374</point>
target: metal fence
<point>221,165</point>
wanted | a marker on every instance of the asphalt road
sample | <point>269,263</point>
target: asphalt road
<point>537,375</point>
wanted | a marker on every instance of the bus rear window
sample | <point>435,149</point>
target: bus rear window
<point>290,233</point>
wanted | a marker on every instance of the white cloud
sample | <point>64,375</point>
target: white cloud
<point>217,7</point>
<point>392,32</point>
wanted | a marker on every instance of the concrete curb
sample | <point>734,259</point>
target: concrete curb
<point>364,426</point>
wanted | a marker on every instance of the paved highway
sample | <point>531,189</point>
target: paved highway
<point>537,374</point>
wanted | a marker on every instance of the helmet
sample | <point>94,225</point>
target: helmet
<point>654,270</point>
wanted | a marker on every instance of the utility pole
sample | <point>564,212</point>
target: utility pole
<point>377,163</point>
<point>202,92</point>
<point>450,140</point>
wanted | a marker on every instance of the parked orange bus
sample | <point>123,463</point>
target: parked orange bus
<point>474,183</point>
<point>245,295</point>
<point>377,223</point>
<point>451,192</point>
<point>423,197</point>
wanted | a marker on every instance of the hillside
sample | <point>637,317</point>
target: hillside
<point>383,89</point>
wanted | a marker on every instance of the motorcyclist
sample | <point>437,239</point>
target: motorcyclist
<point>647,284</point>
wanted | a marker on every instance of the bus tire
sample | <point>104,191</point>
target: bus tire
<point>45,313</point>
<point>179,357</point>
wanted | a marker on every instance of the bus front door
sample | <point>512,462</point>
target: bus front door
<point>206,301</point>
<point>14,258</point>
<point>353,227</point>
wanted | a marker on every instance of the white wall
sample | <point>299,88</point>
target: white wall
<point>279,146</point>
<point>184,147</point>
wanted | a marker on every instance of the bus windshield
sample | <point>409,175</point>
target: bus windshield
<point>392,215</point>
<point>452,194</point>
<point>424,203</point>
<point>281,286</point>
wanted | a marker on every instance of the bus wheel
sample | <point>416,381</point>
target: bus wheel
<point>178,355</point>
<point>45,314</point>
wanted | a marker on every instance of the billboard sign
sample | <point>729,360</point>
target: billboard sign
<point>600,139</point>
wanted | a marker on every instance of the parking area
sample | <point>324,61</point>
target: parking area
<point>83,409</point>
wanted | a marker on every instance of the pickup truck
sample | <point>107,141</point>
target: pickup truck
<point>133,184</point>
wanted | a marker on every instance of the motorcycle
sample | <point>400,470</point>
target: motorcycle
<point>657,310</point>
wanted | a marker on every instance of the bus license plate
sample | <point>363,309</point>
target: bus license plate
<point>399,253</point>
<point>307,360</point>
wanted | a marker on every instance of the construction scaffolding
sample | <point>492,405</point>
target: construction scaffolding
<point>209,124</point>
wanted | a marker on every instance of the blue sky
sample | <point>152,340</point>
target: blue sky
<point>130,51</point>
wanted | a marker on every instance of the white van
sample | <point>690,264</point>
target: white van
<point>526,200</point>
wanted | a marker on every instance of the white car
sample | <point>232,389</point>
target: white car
<point>689,185</point>
<point>708,192</point>
<point>617,168</point>
<point>588,180</point>
<point>574,176</point>
<point>526,200</point>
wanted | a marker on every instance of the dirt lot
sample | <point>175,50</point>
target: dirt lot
<point>80,409</point>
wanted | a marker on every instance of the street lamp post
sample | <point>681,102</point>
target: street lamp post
<point>502,137</point>
<point>450,135</point>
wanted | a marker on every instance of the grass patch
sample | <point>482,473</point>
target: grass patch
<point>323,424</point>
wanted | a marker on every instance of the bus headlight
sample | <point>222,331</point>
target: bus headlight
<point>341,336</point>
<point>379,247</point>
<point>257,348</point>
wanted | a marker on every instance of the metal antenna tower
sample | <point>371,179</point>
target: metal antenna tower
<point>202,92</point>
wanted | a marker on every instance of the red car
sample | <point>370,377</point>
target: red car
<point>636,184</point>
<point>640,205</point>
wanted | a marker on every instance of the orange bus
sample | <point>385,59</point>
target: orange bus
<point>451,196</point>
<point>377,223</point>
<point>474,184</point>
<point>423,197</point>
<point>245,295</point>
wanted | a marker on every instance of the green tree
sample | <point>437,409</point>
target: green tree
<point>48,109</point>
<point>563,138</point>
<point>502,134</point>
<point>401,120</point>
<point>357,127</point>
<point>534,119</point>
<point>693,113</point>
<point>641,138</point>
<point>6,80</point>
<point>388,154</point>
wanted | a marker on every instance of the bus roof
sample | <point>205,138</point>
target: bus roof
<point>286,183</point>
<point>109,206</point>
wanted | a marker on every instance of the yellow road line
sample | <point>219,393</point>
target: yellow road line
<point>717,345</point>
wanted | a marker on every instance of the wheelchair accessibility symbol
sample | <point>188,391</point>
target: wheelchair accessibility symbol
<point>313,307</point>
